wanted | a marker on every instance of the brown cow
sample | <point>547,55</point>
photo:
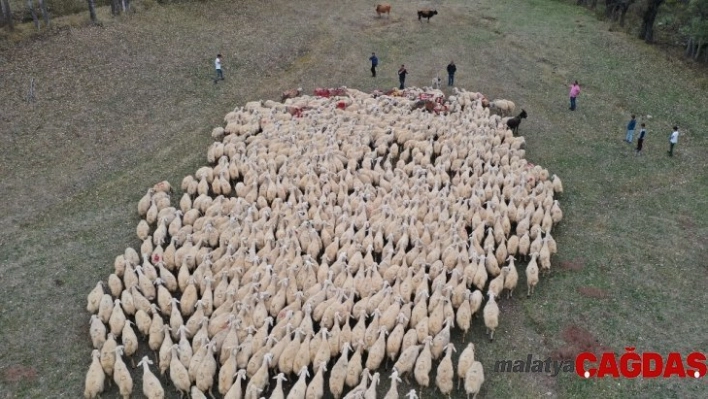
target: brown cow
<point>383,9</point>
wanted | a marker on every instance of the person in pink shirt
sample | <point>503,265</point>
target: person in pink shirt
<point>574,91</point>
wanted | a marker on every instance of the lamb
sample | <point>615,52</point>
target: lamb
<point>491,315</point>
<point>513,123</point>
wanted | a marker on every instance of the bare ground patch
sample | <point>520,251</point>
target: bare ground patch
<point>574,265</point>
<point>578,340</point>
<point>17,373</point>
<point>593,292</point>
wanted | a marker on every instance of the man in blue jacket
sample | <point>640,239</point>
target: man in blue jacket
<point>374,63</point>
<point>630,129</point>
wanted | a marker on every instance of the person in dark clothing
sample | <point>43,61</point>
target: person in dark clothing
<point>374,64</point>
<point>640,140</point>
<point>402,72</point>
<point>630,129</point>
<point>451,69</point>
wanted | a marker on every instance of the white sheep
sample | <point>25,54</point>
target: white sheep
<point>491,316</point>
<point>95,378</point>
<point>474,378</point>
<point>531,274</point>
<point>121,375</point>
<point>152,389</point>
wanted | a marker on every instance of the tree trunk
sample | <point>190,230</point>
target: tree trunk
<point>45,14</point>
<point>593,4</point>
<point>115,7</point>
<point>647,30</point>
<point>127,5</point>
<point>698,50</point>
<point>92,10</point>
<point>7,12</point>
<point>33,13</point>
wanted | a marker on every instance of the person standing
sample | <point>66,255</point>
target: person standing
<point>402,72</point>
<point>374,64</point>
<point>630,129</point>
<point>451,69</point>
<point>640,139</point>
<point>673,139</point>
<point>574,92</point>
<point>217,66</point>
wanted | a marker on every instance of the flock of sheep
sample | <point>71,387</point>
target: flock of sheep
<point>327,238</point>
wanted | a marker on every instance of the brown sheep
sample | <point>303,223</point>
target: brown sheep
<point>291,93</point>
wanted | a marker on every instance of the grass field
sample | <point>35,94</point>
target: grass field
<point>122,106</point>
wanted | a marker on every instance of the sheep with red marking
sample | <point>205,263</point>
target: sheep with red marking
<point>383,9</point>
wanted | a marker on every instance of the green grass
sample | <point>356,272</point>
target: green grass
<point>122,106</point>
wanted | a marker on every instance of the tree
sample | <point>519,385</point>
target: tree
<point>45,14</point>
<point>696,28</point>
<point>30,6</point>
<point>646,32</point>
<point>617,9</point>
<point>92,10</point>
<point>7,14</point>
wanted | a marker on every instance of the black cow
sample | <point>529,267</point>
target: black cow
<point>426,13</point>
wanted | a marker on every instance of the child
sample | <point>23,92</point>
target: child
<point>574,91</point>
<point>673,139</point>
<point>630,129</point>
<point>640,140</point>
<point>217,66</point>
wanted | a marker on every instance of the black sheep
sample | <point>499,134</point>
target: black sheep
<point>513,123</point>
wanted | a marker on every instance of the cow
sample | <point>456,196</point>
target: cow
<point>426,13</point>
<point>383,9</point>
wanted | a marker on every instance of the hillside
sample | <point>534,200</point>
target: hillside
<point>122,106</point>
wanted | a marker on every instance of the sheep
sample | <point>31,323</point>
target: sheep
<point>315,389</point>
<point>474,378</point>
<point>511,277</point>
<point>392,392</point>
<point>95,378</point>
<point>557,184</point>
<point>406,361</point>
<point>505,107</point>
<point>300,388</point>
<point>339,372</point>
<point>152,389</point>
<point>423,365</point>
<point>97,331</point>
<point>445,372</point>
<point>491,316</point>
<point>94,298</point>
<point>531,274</point>
<point>121,375</point>
<point>513,123</point>
<point>325,221</point>
<point>178,373</point>
<point>292,93</point>
<point>108,355</point>
<point>278,391</point>
<point>383,9</point>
